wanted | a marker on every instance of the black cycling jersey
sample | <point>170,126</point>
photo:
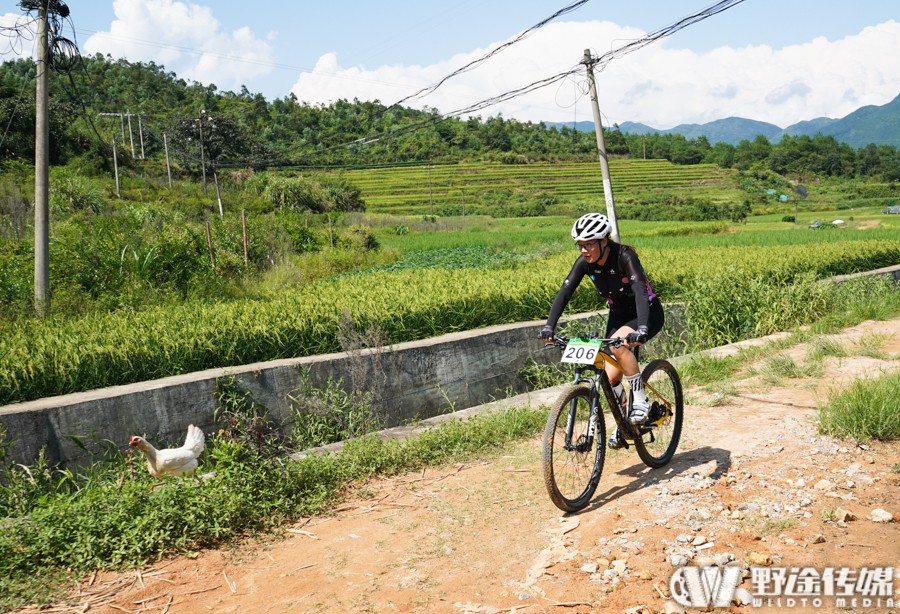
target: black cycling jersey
<point>620,279</point>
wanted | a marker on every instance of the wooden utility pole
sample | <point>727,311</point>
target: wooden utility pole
<point>601,148</point>
<point>42,171</point>
<point>244,233</point>
<point>141,136</point>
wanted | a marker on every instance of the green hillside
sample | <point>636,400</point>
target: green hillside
<point>421,189</point>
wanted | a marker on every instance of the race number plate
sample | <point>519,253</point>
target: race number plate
<point>581,351</point>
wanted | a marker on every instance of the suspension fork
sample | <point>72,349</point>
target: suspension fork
<point>594,399</point>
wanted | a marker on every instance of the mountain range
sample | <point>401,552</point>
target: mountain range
<point>869,124</point>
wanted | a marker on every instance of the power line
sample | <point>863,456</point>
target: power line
<point>22,31</point>
<point>602,60</point>
<point>12,116</point>
<point>474,63</point>
<point>714,9</point>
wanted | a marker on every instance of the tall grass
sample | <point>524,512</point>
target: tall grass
<point>733,305</point>
<point>867,409</point>
<point>761,293</point>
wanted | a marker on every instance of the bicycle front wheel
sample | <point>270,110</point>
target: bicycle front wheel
<point>660,435</point>
<point>573,451</point>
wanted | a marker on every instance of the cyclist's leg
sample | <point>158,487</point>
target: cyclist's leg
<point>628,361</point>
<point>617,326</point>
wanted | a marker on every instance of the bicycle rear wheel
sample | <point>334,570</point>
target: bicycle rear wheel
<point>572,465</point>
<point>660,435</point>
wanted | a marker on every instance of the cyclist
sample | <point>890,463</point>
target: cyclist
<point>635,312</point>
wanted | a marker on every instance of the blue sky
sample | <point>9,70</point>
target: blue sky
<point>780,61</point>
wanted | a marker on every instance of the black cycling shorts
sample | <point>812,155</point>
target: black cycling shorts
<point>628,317</point>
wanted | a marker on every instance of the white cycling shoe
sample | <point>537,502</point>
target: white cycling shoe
<point>615,441</point>
<point>640,409</point>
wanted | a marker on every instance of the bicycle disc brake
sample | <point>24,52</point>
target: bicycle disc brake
<point>582,445</point>
<point>659,413</point>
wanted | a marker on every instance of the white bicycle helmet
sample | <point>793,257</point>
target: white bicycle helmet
<point>590,226</point>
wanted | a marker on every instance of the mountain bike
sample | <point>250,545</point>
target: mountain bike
<point>574,445</point>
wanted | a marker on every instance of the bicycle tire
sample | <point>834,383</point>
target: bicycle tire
<point>572,475</point>
<point>663,387</point>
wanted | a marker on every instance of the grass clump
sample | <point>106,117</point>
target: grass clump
<point>820,348</point>
<point>867,409</point>
<point>778,367</point>
<point>706,369</point>
<point>870,345</point>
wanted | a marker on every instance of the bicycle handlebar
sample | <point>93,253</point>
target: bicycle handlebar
<point>561,341</point>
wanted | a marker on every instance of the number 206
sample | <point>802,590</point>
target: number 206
<point>581,353</point>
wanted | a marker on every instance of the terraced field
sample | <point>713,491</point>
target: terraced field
<point>416,189</point>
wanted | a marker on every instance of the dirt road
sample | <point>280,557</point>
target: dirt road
<point>753,482</point>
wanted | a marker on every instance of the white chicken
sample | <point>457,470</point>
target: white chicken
<point>173,461</point>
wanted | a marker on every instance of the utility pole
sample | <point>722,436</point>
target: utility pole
<point>130,135</point>
<point>168,166</point>
<point>601,148</point>
<point>122,117</point>
<point>116,167</point>
<point>218,194</point>
<point>141,135</point>
<point>42,170</point>
<point>202,155</point>
<point>430,196</point>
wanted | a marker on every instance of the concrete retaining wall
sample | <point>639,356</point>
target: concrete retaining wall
<point>414,380</point>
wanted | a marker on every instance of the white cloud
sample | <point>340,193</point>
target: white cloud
<point>185,38</point>
<point>660,85</point>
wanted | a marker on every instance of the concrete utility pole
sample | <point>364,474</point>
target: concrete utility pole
<point>168,166</point>
<point>601,148</point>
<point>130,135</point>
<point>202,155</point>
<point>42,171</point>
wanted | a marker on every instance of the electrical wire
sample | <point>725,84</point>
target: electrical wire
<point>709,11</point>
<point>12,115</point>
<point>474,63</point>
<point>18,34</point>
<point>601,61</point>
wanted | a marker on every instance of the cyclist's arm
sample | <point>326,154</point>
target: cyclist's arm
<point>566,291</point>
<point>635,272</point>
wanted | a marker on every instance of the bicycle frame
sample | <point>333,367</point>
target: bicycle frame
<point>599,380</point>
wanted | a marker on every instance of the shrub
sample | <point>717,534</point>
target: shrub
<point>344,195</point>
<point>297,194</point>
<point>70,193</point>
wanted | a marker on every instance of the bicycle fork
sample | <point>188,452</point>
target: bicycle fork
<point>587,442</point>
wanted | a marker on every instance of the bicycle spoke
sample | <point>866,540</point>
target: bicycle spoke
<point>660,437</point>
